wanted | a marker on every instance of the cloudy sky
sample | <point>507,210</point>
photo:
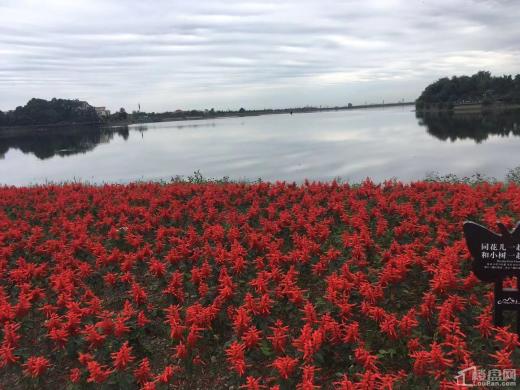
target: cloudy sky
<point>231,53</point>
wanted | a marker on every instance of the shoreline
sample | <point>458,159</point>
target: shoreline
<point>232,114</point>
<point>471,108</point>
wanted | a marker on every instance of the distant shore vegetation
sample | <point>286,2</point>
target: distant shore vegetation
<point>40,112</point>
<point>479,90</point>
<point>46,112</point>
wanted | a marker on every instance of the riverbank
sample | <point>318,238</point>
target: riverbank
<point>6,130</point>
<point>290,111</point>
<point>155,118</point>
<point>471,108</point>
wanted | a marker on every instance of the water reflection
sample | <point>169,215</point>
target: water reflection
<point>69,140</point>
<point>65,141</point>
<point>350,144</point>
<point>478,126</point>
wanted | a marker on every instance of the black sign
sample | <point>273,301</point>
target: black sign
<point>496,256</point>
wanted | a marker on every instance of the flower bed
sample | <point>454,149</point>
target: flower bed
<point>255,286</point>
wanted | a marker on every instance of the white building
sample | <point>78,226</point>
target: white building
<point>102,112</point>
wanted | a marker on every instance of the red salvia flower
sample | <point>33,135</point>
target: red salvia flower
<point>122,357</point>
<point>7,355</point>
<point>279,337</point>
<point>262,270</point>
<point>97,372</point>
<point>36,366</point>
<point>365,358</point>
<point>285,366</point>
<point>75,375</point>
<point>251,337</point>
<point>167,374</point>
<point>235,356</point>
<point>143,372</point>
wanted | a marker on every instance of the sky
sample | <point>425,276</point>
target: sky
<point>227,54</point>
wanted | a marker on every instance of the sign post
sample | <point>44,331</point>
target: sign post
<point>495,257</point>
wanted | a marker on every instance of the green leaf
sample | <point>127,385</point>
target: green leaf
<point>266,350</point>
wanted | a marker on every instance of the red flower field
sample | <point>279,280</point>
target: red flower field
<point>251,286</point>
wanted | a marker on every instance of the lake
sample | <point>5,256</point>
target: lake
<point>380,143</point>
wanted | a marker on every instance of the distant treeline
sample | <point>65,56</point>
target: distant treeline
<point>142,117</point>
<point>46,112</point>
<point>40,112</point>
<point>481,88</point>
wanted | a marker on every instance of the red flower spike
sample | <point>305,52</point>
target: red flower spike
<point>36,366</point>
<point>123,357</point>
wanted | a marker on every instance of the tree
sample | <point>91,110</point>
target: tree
<point>122,114</point>
<point>482,87</point>
<point>44,112</point>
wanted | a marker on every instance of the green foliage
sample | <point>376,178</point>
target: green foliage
<point>46,112</point>
<point>119,116</point>
<point>198,178</point>
<point>479,88</point>
<point>513,176</point>
<point>476,178</point>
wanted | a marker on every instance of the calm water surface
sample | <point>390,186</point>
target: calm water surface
<point>376,143</point>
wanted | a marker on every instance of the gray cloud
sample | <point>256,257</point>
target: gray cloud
<point>226,54</point>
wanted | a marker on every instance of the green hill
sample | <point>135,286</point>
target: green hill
<point>481,88</point>
<point>47,112</point>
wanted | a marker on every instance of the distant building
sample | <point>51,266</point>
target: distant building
<point>102,112</point>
